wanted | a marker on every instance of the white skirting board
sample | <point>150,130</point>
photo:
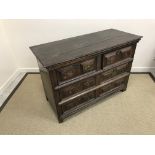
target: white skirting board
<point>143,69</point>
<point>16,77</point>
<point>12,82</point>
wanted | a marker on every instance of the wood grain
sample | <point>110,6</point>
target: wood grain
<point>77,72</point>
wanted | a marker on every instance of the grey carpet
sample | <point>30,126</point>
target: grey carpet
<point>129,112</point>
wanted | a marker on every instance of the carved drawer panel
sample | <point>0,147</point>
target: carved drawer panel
<point>119,82</point>
<point>107,74</point>
<point>70,90</point>
<point>118,55</point>
<point>73,103</point>
<point>77,87</point>
<point>115,71</point>
<point>127,52</point>
<point>88,65</point>
<point>110,86</point>
<point>68,72</point>
<point>88,83</point>
<point>110,58</point>
<point>104,89</point>
<point>75,70</point>
<point>69,105</point>
<point>122,68</point>
<point>89,96</point>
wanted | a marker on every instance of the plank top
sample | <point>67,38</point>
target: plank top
<point>67,49</point>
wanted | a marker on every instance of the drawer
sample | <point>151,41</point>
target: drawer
<point>75,70</point>
<point>70,90</point>
<point>112,85</point>
<point>88,65</point>
<point>77,87</point>
<point>78,101</point>
<point>119,82</point>
<point>122,68</point>
<point>104,89</point>
<point>107,75</point>
<point>90,82</point>
<point>89,96</point>
<point>118,55</point>
<point>71,104</point>
<point>68,72</point>
<point>115,71</point>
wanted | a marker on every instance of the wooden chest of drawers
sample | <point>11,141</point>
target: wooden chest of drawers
<point>78,71</point>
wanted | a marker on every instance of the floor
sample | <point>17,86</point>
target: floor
<point>129,112</point>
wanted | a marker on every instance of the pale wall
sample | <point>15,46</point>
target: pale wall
<point>25,33</point>
<point>7,62</point>
<point>17,35</point>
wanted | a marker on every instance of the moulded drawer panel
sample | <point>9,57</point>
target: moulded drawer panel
<point>108,87</point>
<point>68,72</point>
<point>77,87</point>
<point>74,70</point>
<point>76,102</point>
<point>118,55</point>
<point>115,71</point>
<point>70,90</point>
<point>88,65</point>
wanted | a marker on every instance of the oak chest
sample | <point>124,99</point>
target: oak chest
<point>77,72</point>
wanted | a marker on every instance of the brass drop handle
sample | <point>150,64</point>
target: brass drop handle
<point>87,67</point>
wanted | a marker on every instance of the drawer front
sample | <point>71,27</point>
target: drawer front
<point>89,96</point>
<point>75,70</point>
<point>70,90</point>
<point>72,104</point>
<point>122,68</point>
<point>115,71</point>
<point>88,65</point>
<point>107,75</point>
<point>112,85</point>
<point>77,87</point>
<point>116,56</point>
<point>68,72</point>
<point>105,89</point>
<point>90,82</point>
<point>69,105</point>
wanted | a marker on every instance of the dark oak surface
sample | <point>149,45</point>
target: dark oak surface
<point>67,49</point>
<point>77,72</point>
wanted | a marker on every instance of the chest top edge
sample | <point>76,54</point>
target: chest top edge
<point>51,54</point>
